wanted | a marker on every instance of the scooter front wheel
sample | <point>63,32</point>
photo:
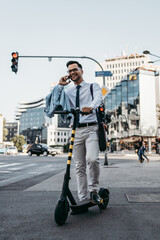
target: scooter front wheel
<point>61,211</point>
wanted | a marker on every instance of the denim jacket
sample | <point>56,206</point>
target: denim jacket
<point>57,100</point>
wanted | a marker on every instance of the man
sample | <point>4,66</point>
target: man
<point>86,146</point>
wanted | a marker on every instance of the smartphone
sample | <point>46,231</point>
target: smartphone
<point>68,79</point>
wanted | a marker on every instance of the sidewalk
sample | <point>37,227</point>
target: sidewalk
<point>132,212</point>
<point>130,154</point>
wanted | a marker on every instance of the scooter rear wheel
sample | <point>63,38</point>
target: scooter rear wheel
<point>104,193</point>
<point>61,211</point>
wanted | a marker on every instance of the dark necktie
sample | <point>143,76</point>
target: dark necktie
<point>77,104</point>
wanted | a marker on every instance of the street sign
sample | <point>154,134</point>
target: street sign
<point>103,73</point>
<point>105,90</point>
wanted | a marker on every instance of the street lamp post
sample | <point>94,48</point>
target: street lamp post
<point>154,61</point>
<point>148,52</point>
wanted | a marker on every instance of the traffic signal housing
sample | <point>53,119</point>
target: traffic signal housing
<point>14,62</point>
<point>101,113</point>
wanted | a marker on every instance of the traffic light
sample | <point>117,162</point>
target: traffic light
<point>14,62</point>
<point>108,118</point>
<point>101,113</point>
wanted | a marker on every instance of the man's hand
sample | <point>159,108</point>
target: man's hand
<point>64,80</point>
<point>87,110</point>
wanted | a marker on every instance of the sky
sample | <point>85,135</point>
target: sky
<point>98,29</point>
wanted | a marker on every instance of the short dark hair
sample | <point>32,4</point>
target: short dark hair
<point>74,62</point>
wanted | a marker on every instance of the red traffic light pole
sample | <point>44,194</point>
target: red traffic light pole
<point>50,58</point>
<point>83,57</point>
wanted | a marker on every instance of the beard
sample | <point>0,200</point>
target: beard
<point>76,79</point>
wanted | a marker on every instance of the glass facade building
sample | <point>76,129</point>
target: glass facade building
<point>36,126</point>
<point>126,91</point>
<point>32,118</point>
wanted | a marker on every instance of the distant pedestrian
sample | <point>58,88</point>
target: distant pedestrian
<point>137,147</point>
<point>141,153</point>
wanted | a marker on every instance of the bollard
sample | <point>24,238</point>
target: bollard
<point>105,158</point>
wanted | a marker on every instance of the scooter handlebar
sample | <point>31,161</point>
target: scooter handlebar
<point>73,111</point>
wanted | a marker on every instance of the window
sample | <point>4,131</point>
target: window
<point>113,93</point>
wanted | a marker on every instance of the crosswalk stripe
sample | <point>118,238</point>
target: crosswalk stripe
<point>9,165</point>
<point>21,167</point>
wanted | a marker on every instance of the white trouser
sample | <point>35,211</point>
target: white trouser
<point>86,152</point>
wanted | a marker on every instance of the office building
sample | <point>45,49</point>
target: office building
<point>120,67</point>
<point>12,129</point>
<point>1,128</point>
<point>36,126</point>
<point>131,105</point>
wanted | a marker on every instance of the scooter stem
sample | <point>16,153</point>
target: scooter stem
<point>65,187</point>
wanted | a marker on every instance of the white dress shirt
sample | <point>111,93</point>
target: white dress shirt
<point>85,99</point>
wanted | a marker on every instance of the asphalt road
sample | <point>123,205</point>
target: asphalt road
<point>31,186</point>
<point>20,172</point>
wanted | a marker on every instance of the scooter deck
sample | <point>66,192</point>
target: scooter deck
<point>81,206</point>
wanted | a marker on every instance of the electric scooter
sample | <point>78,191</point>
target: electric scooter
<point>66,200</point>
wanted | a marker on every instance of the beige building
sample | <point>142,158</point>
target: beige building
<point>120,67</point>
<point>1,128</point>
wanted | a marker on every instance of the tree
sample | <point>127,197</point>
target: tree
<point>5,131</point>
<point>18,141</point>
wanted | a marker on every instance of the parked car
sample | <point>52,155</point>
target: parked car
<point>39,148</point>
<point>3,150</point>
<point>12,151</point>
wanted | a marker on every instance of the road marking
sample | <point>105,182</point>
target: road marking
<point>22,177</point>
<point>22,167</point>
<point>9,165</point>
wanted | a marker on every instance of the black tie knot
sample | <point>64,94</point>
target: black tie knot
<point>78,87</point>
